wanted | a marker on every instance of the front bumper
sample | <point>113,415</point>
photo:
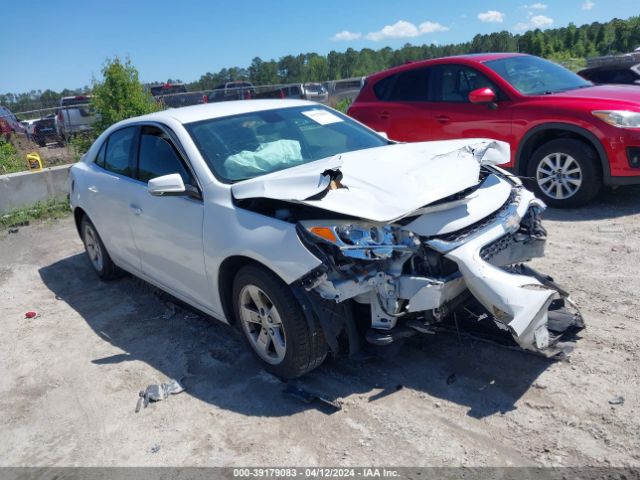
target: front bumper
<point>519,303</point>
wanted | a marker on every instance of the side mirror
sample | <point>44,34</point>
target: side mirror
<point>482,95</point>
<point>167,185</point>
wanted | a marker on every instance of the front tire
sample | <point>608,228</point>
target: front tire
<point>97,253</point>
<point>273,324</point>
<point>565,173</point>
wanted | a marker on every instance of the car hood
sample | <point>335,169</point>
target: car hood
<point>624,93</point>
<point>381,184</point>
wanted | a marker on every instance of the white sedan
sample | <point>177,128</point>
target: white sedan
<point>311,232</point>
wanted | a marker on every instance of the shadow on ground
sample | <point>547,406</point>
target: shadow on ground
<point>215,366</point>
<point>610,203</point>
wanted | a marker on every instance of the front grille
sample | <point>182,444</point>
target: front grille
<point>530,229</point>
<point>469,230</point>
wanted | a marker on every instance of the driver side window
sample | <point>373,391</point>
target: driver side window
<point>457,81</point>
<point>157,157</point>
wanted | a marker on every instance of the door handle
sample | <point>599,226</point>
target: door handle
<point>384,115</point>
<point>135,209</point>
<point>443,118</point>
<point>93,189</point>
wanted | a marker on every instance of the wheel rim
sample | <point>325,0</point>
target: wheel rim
<point>559,176</point>
<point>262,324</point>
<point>94,250</point>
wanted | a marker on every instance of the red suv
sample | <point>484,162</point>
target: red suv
<point>567,135</point>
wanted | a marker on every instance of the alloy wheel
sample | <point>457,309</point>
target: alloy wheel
<point>262,324</point>
<point>559,176</point>
<point>94,249</point>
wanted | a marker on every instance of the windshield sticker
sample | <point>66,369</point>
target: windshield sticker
<point>323,117</point>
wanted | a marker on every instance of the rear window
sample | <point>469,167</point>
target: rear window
<point>381,89</point>
<point>409,86</point>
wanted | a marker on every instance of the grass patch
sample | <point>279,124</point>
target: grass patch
<point>10,161</point>
<point>52,209</point>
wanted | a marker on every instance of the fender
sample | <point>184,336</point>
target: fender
<point>586,134</point>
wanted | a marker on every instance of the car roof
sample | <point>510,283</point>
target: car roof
<point>469,57</point>
<point>206,111</point>
<point>486,57</point>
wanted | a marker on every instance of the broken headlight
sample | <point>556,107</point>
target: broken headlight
<point>363,241</point>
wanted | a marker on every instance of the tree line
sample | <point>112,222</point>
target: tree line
<point>569,45</point>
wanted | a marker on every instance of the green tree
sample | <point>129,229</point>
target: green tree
<point>120,94</point>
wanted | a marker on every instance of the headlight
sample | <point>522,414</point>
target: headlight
<point>363,241</point>
<point>619,118</point>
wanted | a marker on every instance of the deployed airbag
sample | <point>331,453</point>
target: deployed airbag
<point>268,157</point>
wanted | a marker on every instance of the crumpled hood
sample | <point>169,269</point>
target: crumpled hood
<point>381,184</point>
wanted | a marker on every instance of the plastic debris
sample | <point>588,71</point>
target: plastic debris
<point>619,400</point>
<point>31,314</point>
<point>157,393</point>
<point>306,396</point>
<point>155,448</point>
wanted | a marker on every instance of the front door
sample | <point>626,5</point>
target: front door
<point>454,116</point>
<point>168,229</point>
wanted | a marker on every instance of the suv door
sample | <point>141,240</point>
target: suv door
<point>110,188</point>
<point>404,111</point>
<point>168,229</point>
<point>454,116</point>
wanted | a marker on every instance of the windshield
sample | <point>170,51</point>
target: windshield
<point>245,146</point>
<point>535,76</point>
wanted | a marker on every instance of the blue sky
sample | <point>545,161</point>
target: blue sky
<point>58,44</point>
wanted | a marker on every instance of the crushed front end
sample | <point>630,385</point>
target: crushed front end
<point>416,271</point>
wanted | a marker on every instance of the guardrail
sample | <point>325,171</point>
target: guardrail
<point>23,189</point>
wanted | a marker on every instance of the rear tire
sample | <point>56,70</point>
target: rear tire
<point>565,173</point>
<point>274,325</point>
<point>98,256</point>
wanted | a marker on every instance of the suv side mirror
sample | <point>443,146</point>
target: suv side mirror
<point>167,185</point>
<point>482,95</point>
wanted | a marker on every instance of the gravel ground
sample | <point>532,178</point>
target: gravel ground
<point>69,379</point>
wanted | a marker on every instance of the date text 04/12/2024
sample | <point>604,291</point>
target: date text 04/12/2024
<point>314,472</point>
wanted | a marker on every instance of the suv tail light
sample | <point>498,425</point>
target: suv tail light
<point>60,116</point>
<point>205,98</point>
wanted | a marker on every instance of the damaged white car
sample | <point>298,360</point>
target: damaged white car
<point>313,233</point>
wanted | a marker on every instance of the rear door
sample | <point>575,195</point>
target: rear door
<point>404,109</point>
<point>454,116</point>
<point>110,187</point>
<point>168,229</point>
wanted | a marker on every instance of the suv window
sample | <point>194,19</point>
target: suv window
<point>455,82</point>
<point>119,151</point>
<point>613,76</point>
<point>157,156</point>
<point>409,86</point>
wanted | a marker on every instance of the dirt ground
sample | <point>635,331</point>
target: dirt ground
<point>69,379</point>
<point>51,155</point>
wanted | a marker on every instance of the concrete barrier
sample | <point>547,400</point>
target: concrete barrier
<point>23,189</point>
